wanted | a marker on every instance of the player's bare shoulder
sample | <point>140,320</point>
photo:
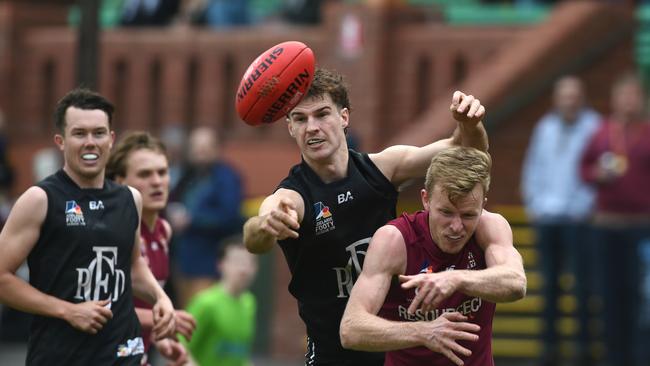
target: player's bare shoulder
<point>31,205</point>
<point>493,228</point>
<point>137,198</point>
<point>387,251</point>
<point>489,217</point>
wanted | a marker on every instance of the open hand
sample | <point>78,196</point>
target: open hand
<point>445,331</point>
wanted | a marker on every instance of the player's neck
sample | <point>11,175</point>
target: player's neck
<point>333,169</point>
<point>84,182</point>
<point>149,218</point>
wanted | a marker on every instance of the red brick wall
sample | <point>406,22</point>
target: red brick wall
<point>590,39</point>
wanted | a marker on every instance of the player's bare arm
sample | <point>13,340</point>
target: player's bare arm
<point>145,316</point>
<point>279,218</point>
<point>185,322</point>
<point>146,287</point>
<point>17,239</point>
<point>503,280</point>
<point>400,163</point>
<point>469,113</point>
<point>361,328</point>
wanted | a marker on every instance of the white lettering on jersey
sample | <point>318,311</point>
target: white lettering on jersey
<point>93,281</point>
<point>344,197</point>
<point>96,205</point>
<point>345,276</point>
<point>467,307</point>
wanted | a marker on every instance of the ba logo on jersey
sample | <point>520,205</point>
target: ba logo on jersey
<point>73,214</point>
<point>96,205</point>
<point>324,219</point>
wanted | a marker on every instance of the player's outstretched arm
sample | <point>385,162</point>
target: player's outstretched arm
<point>400,163</point>
<point>279,218</point>
<point>17,239</point>
<point>362,329</point>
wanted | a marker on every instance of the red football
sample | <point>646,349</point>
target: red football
<point>275,83</point>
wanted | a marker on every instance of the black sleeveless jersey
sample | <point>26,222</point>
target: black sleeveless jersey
<point>339,220</point>
<point>84,254</point>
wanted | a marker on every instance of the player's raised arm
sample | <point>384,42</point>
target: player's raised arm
<point>399,163</point>
<point>469,113</point>
<point>279,218</point>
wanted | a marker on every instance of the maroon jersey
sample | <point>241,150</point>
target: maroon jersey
<point>154,247</point>
<point>424,256</point>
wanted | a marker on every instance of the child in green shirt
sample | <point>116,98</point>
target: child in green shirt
<point>225,313</point>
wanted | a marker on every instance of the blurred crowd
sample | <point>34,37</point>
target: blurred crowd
<point>217,14</point>
<point>584,184</point>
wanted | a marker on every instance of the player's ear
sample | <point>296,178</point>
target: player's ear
<point>59,141</point>
<point>424,196</point>
<point>345,116</point>
<point>289,128</point>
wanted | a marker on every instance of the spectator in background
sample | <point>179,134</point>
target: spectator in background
<point>205,208</point>
<point>149,12</point>
<point>559,204</point>
<point>617,164</point>
<point>225,313</point>
<point>46,161</point>
<point>216,13</point>
<point>140,161</point>
<point>302,11</point>
<point>174,137</point>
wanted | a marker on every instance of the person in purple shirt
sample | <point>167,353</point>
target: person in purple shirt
<point>454,261</point>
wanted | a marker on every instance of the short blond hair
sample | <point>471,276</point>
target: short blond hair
<point>457,170</point>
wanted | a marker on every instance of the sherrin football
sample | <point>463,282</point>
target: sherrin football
<point>275,83</point>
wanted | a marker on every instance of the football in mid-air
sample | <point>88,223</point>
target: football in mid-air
<point>275,83</point>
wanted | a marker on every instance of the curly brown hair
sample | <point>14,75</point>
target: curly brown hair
<point>332,83</point>
<point>132,141</point>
